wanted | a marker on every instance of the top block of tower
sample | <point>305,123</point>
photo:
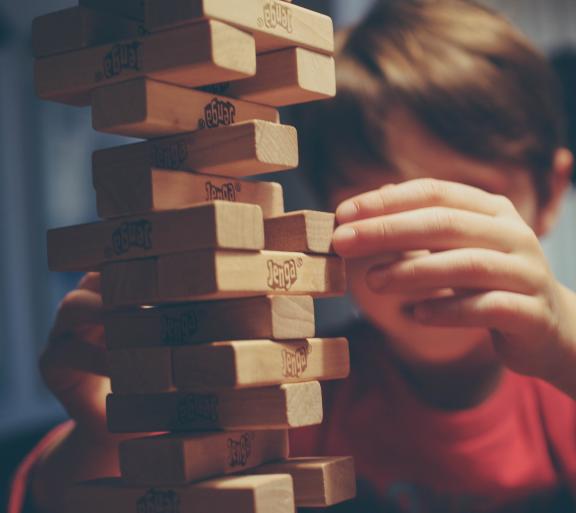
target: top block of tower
<point>275,24</point>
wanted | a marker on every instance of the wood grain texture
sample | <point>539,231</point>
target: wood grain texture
<point>273,24</point>
<point>209,275</point>
<point>129,8</point>
<point>249,148</point>
<point>259,363</point>
<point>240,494</point>
<point>193,55</point>
<point>233,364</point>
<point>286,77</point>
<point>217,224</point>
<point>79,27</point>
<point>181,459</point>
<point>318,482</point>
<point>136,191</point>
<point>265,317</point>
<point>306,231</point>
<point>283,407</point>
<point>149,109</point>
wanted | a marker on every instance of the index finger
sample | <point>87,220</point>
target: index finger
<point>422,193</point>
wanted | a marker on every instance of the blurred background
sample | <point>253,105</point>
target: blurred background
<point>45,181</point>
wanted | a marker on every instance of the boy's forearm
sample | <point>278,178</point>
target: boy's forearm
<point>72,459</point>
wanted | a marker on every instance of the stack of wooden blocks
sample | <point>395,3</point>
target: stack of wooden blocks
<point>207,283</point>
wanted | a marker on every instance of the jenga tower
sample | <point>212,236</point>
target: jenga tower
<point>207,283</point>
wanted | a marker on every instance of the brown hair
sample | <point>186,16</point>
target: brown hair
<point>460,68</point>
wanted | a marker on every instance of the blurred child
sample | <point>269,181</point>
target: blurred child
<point>443,154</point>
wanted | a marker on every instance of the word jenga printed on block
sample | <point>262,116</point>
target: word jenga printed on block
<point>207,282</point>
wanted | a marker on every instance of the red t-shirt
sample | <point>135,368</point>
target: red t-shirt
<point>515,452</point>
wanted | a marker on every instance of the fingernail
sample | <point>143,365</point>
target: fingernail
<point>345,235</point>
<point>347,212</point>
<point>377,279</point>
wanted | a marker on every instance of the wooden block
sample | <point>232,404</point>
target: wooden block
<point>305,231</point>
<point>318,482</point>
<point>232,364</point>
<point>274,24</point>
<point>181,459</point>
<point>286,77</point>
<point>78,27</point>
<point>265,317</point>
<point>240,494</point>
<point>129,191</point>
<point>129,8</point>
<point>194,55</point>
<point>148,109</point>
<point>141,371</point>
<point>259,363</point>
<point>283,407</point>
<point>248,148</point>
<point>208,275</point>
<point>217,224</point>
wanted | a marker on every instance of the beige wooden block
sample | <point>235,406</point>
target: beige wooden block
<point>264,317</point>
<point>305,231</point>
<point>249,148</point>
<point>217,224</point>
<point>274,24</point>
<point>318,482</point>
<point>208,275</point>
<point>146,108</point>
<point>283,407</point>
<point>79,27</point>
<point>128,191</point>
<point>223,365</point>
<point>259,363</point>
<point>141,371</point>
<point>238,494</point>
<point>181,459</point>
<point>286,77</point>
<point>194,55</point>
<point>129,8</point>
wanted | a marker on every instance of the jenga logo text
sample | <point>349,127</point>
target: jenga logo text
<point>294,363</point>
<point>283,275</point>
<point>225,192</point>
<point>239,450</point>
<point>170,156</point>
<point>158,501</point>
<point>122,56</point>
<point>136,234</point>
<point>197,408</point>
<point>277,14</point>
<point>177,331</point>
<point>218,113</point>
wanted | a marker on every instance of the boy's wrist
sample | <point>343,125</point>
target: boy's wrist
<point>561,372</point>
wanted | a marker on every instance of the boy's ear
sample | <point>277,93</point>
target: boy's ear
<point>563,167</point>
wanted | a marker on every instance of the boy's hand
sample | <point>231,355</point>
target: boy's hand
<point>478,246</point>
<point>74,368</point>
<point>73,363</point>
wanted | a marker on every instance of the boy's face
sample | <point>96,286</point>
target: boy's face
<point>417,154</point>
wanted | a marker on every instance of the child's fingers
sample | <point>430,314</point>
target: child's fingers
<point>79,307</point>
<point>507,312</point>
<point>435,229</point>
<point>461,268</point>
<point>90,281</point>
<point>69,352</point>
<point>423,193</point>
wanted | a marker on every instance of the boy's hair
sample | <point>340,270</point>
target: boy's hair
<point>460,68</point>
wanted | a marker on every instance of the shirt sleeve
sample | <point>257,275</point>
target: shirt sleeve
<point>19,501</point>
